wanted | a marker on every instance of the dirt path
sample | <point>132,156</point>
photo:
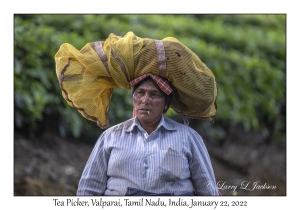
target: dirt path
<point>53,166</point>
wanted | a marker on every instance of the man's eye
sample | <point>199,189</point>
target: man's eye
<point>155,95</point>
<point>139,94</point>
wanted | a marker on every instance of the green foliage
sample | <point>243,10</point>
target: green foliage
<point>247,54</point>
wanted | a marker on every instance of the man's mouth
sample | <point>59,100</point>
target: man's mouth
<point>146,110</point>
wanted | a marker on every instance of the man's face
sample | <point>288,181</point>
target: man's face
<point>148,102</point>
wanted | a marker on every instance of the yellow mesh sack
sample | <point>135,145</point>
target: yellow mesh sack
<point>88,76</point>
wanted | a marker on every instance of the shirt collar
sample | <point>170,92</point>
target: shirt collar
<point>163,123</point>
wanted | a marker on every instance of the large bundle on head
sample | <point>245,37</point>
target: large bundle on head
<point>87,77</point>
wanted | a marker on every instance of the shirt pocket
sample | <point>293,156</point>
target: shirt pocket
<point>173,165</point>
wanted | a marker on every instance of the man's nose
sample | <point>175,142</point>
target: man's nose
<point>146,98</point>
